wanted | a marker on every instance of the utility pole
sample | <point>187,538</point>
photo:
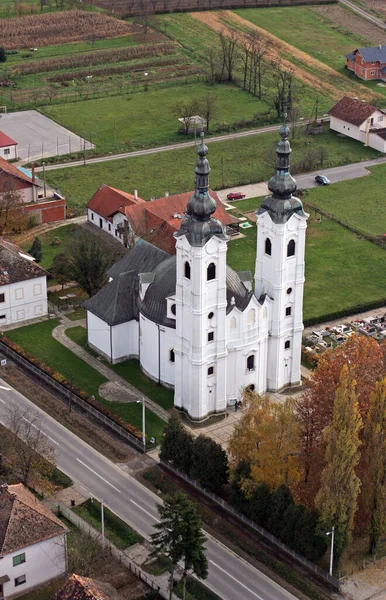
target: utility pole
<point>44,180</point>
<point>84,153</point>
<point>222,172</point>
<point>103,522</point>
<point>331,533</point>
<point>115,134</point>
<point>143,421</point>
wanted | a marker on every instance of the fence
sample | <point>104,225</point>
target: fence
<point>322,575</point>
<point>118,554</point>
<point>73,399</point>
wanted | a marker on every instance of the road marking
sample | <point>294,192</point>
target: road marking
<point>236,580</point>
<point>2,387</point>
<point>3,401</point>
<point>41,431</point>
<point>97,474</point>
<point>145,511</point>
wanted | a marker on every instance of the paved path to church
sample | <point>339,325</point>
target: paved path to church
<point>126,390</point>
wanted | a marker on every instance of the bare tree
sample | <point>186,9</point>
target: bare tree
<point>207,108</point>
<point>145,19</point>
<point>270,159</point>
<point>82,554</point>
<point>245,56</point>
<point>212,60</point>
<point>10,201</point>
<point>259,65</point>
<point>293,117</point>
<point>29,450</point>
<point>185,111</point>
<point>282,82</point>
<point>229,54</point>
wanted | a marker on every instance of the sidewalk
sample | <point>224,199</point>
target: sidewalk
<point>122,388</point>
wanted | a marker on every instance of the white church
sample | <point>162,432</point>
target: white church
<point>195,324</point>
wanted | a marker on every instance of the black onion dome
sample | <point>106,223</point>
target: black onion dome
<point>154,304</point>
<point>198,225</point>
<point>281,205</point>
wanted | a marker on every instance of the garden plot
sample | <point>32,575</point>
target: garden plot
<point>39,137</point>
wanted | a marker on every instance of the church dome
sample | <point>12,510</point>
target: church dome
<point>154,304</point>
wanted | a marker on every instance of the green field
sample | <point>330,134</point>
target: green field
<point>342,270</point>
<point>37,339</point>
<point>145,119</point>
<point>173,171</point>
<point>329,41</point>
<point>359,202</point>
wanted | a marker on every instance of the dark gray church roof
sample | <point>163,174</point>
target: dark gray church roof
<point>117,302</point>
<point>154,305</point>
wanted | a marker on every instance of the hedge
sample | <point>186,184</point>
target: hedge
<point>360,308</point>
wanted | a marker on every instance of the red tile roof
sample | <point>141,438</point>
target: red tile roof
<point>107,201</point>
<point>9,168</point>
<point>157,220</point>
<point>5,140</point>
<point>84,588</point>
<point>352,111</point>
<point>24,520</point>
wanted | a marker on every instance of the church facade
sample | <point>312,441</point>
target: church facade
<point>193,322</point>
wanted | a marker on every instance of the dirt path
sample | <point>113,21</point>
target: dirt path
<point>277,47</point>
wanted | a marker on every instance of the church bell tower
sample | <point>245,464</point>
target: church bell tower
<point>201,302</point>
<point>279,272</point>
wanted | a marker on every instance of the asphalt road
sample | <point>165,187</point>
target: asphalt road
<point>364,13</point>
<point>229,576</point>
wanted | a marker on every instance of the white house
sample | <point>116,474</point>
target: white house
<point>195,324</point>
<point>33,546</point>
<point>360,121</point>
<point>8,147</point>
<point>23,285</point>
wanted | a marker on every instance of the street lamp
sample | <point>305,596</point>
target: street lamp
<point>143,420</point>
<point>332,547</point>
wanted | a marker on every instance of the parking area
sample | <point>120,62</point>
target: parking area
<point>40,137</point>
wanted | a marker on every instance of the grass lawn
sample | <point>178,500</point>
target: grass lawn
<point>129,370</point>
<point>79,313</point>
<point>195,590</point>
<point>37,339</point>
<point>173,171</point>
<point>342,270</point>
<point>328,43</point>
<point>358,202</point>
<point>145,119</point>
<point>45,592</point>
<point>116,530</point>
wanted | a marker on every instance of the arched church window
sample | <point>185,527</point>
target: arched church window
<point>173,309</point>
<point>251,362</point>
<point>287,345</point>
<point>268,246</point>
<point>172,356</point>
<point>211,272</point>
<point>251,316</point>
<point>187,270</point>
<point>211,371</point>
<point>233,323</point>
<point>291,248</point>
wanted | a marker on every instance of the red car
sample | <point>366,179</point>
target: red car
<point>235,196</point>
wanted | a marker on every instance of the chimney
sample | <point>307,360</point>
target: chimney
<point>33,171</point>
<point>135,194</point>
<point>166,194</point>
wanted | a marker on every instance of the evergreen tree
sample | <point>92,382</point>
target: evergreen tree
<point>240,475</point>
<point>60,268</point>
<point>177,445</point>
<point>375,459</point>
<point>3,56</point>
<point>338,494</point>
<point>308,539</point>
<point>36,249</point>
<point>179,537</point>
<point>281,499</point>
<point>209,464</point>
<point>88,266</point>
<point>291,518</point>
<point>260,504</point>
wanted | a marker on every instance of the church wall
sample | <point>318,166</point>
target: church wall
<point>156,343</point>
<point>125,341</point>
<point>98,334</point>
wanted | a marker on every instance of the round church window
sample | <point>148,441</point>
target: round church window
<point>289,290</point>
<point>211,315</point>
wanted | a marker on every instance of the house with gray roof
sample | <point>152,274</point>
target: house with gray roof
<point>32,542</point>
<point>368,63</point>
<point>194,323</point>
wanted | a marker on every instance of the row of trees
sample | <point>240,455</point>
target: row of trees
<point>329,447</point>
<point>199,457</point>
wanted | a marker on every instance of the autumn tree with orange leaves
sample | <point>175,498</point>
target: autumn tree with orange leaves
<point>366,360</point>
<point>267,438</point>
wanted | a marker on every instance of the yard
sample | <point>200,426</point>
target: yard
<point>37,339</point>
<point>244,160</point>
<point>342,270</point>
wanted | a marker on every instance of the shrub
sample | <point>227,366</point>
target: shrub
<point>36,249</point>
<point>177,445</point>
<point>3,55</point>
<point>60,479</point>
<point>209,464</point>
<point>280,501</point>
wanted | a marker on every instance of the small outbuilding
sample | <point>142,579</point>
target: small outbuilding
<point>8,147</point>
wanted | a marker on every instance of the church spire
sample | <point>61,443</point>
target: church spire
<point>281,205</point>
<point>198,224</point>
